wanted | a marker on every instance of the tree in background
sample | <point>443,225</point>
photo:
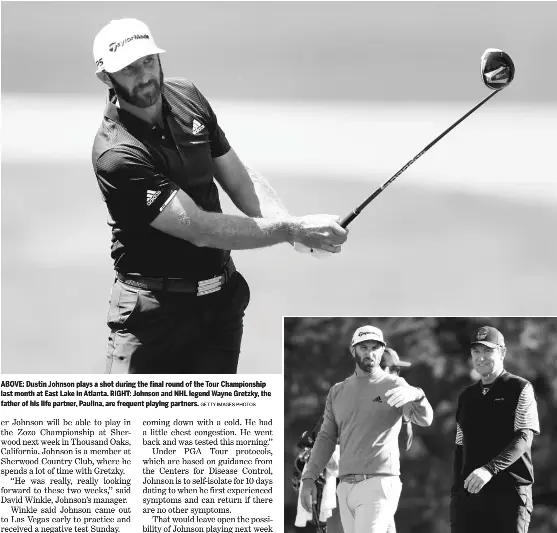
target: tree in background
<point>316,356</point>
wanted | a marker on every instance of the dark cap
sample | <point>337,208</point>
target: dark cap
<point>488,336</point>
<point>391,358</point>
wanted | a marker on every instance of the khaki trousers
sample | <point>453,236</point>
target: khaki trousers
<point>369,506</point>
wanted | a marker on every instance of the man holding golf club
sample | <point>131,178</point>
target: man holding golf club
<point>364,412</point>
<point>496,421</point>
<point>177,303</point>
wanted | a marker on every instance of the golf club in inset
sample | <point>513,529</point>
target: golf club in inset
<point>497,70</point>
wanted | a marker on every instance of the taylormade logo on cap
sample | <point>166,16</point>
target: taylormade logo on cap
<point>114,46</point>
<point>367,333</point>
<point>122,42</point>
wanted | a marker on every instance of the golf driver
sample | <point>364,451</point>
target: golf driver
<point>497,70</point>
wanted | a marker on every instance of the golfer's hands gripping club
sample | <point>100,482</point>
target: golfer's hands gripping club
<point>309,494</point>
<point>319,235</point>
<point>402,395</point>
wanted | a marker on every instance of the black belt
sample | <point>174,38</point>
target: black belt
<point>356,478</point>
<point>200,288</point>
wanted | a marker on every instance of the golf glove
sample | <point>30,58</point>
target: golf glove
<point>318,254</point>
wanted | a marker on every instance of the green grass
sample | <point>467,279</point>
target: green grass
<point>414,252</point>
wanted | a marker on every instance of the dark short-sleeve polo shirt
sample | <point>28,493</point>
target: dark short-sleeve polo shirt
<point>139,168</point>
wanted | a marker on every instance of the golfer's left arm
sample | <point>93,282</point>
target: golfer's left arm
<point>251,193</point>
<point>526,424</point>
<point>416,407</point>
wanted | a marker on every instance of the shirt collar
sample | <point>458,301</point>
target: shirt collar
<point>130,121</point>
<point>489,386</point>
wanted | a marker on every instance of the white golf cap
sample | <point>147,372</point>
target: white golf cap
<point>122,42</point>
<point>367,333</point>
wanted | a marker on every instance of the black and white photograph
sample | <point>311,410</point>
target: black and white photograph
<point>420,424</point>
<point>177,176</point>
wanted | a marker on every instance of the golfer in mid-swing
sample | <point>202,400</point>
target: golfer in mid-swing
<point>177,303</point>
<point>364,412</point>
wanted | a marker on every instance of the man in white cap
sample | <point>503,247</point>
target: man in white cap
<point>364,412</point>
<point>177,303</point>
<point>496,420</point>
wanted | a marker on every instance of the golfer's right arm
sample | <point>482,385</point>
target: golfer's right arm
<point>322,451</point>
<point>184,219</point>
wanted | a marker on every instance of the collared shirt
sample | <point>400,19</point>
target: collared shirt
<point>139,169</point>
<point>358,416</point>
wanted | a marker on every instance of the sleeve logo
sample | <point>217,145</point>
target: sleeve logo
<point>197,127</point>
<point>152,196</point>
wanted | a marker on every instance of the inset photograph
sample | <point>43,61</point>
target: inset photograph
<point>420,424</point>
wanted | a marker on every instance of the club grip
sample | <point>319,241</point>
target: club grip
<point>348,218</point>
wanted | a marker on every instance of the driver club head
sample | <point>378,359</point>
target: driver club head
<point>497,69</point>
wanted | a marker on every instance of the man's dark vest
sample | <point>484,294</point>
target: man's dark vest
<point>487,424</point>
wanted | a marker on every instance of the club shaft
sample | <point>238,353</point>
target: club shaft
<point>349,218</point>
<point>315,515</point>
